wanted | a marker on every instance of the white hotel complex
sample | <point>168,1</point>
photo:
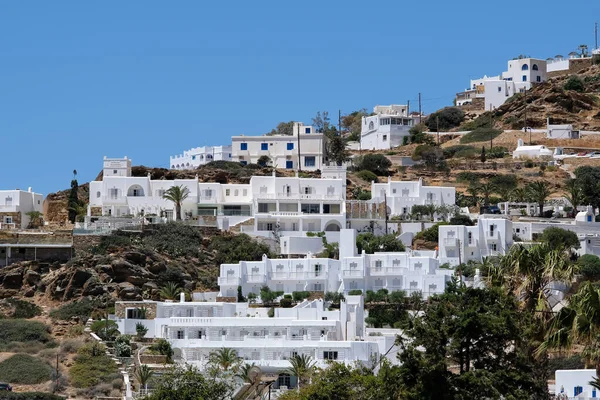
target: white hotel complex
<point>407,271</point>
<point>14,206</point>
<point>387,128</point>
<point>193,158</point>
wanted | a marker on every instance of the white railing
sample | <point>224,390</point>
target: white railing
<point>299,196</point>
<point>288,275</point>
<point>207,198</point>
<point>353,272</point>
<point>450,242</point>
<point>256,278</point>
<point>229,280</point>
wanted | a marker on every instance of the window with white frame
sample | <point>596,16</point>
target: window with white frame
<point>330,355</point>
<point>227,192</point>
<point>180,334</point>
<point>378,265</point>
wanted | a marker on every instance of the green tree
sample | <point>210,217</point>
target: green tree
<point>302,367</point>
<point>143,374</point>
<point>486,189</point>
<point>518,195</point>
<point>163,347</point>
<point>575,194</point>
<point>352,124</point>
<point>140,331</point>
<point>589,180</point>
<point>461,219</point>
<point>263,161</point>
<point>574,83</point>
<point>482,156</point>
<point>268,296</point>
<point>177,194</point>
<point>589,266</point>
<point>478,334</point>
<point>446,118</point>
<point>226,359</point>
<point>336,148</point>
<point>283,128</point>
<point>376,163</point>
<point>538,192</point>
<point>417,135</point>
<point>170,291</point>
<point>36,219</point>
<point>371,243</point>
<point>321,121</point>
<point>73,201</point>
<point>558,238</point>
<point>187,383</point>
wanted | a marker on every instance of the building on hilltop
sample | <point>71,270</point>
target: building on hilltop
<point>489,93</point>
<point>387,128</point>
<point>14,206</point>
<point>197,156</point>
<point>407,271</point>
<point>303,150</point>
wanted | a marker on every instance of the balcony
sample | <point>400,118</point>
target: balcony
<point>298,196</point>
<point>314,275</point>
<point>114,200</point>
<point>230,280</point>
<point>256,278</point>
<point>288,275</point>
<point>492,235</point>
<point>207,199</point>
<point>358,273</point>
<point>450,242</point>
<point>281,213</point>
<point>388,271</point>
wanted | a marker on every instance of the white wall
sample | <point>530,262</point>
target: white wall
<point>197,156</point>
<point>568,379</point>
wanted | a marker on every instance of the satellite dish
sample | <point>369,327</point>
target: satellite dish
<point>254,373</point>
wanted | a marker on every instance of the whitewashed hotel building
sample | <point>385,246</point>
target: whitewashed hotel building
<point>407,271</point>
<point>197,156</point>
<point>195,329</point>
<point>493,235</point>
<point>14,206</point>
<point>387,128</point>
<point>402,195</point>
<point>303,150</point>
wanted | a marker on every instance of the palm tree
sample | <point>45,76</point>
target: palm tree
<point>539,191</point>
<point>225,358</point>
<point>177,194</point>
<point>170,291</point>
<point>80,210</point>
<point>578,323</point>
<point>473,192</point>
<point>143,374</point>
<point>302,367</point>
<point>518,195</point>
<point>575,194</point>
<point>486,189</point>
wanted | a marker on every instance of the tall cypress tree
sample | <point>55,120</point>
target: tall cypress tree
<point>73,202</point>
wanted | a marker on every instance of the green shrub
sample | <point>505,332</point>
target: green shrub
<point>485,120</point>
<point>371,243</point>
<point>480,135</point>
<point>559,238</point>
<point>105,329</point>
<point>115,240</point>
<point>162,347</point>
<point>287,296</point>
<point>25,369</point>
<point>451,151</point>
<point>20,330</point>
<point>446,118</point>
<point>22,309</point>
<point>271,312</point>
<point>299,296</point>
<point>497,152</point>
<point>467,177</point>
<point>504,181</point>
<point>565,362</point>
<point>574,83</point>
<point>232,249</point>
<point>355,292</point>
<point>376,163</point>
<point>589,266</point>
<point>81,309</point>
<point>91,367</point>
<point>468,153</point>
<point>364,195</point>
<point>431,234</point>
<point>174,239</point>
<point>367,176</point>
<point>461,219</point>
<point>286,303</point>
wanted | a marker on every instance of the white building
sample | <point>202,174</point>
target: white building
<point>193,158</point>
<point>288,206</point>
<point>387,128</point>
<point>400,196</point>
<point>14,206</point>
<point>560,131</point>
<point>537,151</point>
<point>405,271</point>
<point>195,329</point>
<point>575,384</point>
<point>495,90</point>
<point>303,150</point>
<point>493,235</point>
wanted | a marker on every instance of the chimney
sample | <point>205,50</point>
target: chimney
<point>29,189</point>
<point>182,297</point>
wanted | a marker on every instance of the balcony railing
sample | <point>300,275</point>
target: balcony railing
<point>299,196</point>
<point>230,280</point>
<point>256,278</point>
<point>450,242</point>
<point>288,275</point>
<point>207,199</point>
<point>353,272</point>
<point>388,271</point>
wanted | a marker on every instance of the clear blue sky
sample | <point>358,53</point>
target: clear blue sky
<point>148,79</point>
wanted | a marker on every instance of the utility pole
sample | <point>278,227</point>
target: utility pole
<point>408,108</point>
<point>340,122</point>
<point>386,213</point>
<point>596,34</point>
<point>420,110</point>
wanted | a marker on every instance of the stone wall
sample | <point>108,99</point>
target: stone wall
<point>477,104</point>
<point>152,359</point>
<point>84,242</point>
<point>16,217</point>
<point>227,299</point>
<point>44,254</point>
<point>121,307</point>
<point>575,66</point>
<point>41,238</point>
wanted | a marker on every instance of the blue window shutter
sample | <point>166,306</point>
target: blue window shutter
<point>290,146</point>
<point>307,130</point>
<point>243,146</point>
<point>289,164</point>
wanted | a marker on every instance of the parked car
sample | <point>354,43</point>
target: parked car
<point>489,210</point>
<point>5,387</point>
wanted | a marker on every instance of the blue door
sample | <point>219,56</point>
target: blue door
<point>289,164</point>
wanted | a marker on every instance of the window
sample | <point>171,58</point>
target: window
<point>378,264</point>
<point>538,78</point>
<point>244,162</point>
<point>307,190</point>
<point>236,192</point>
<point>269,226</point>
<point>324,318</point>
<point>524,78</point>
<point>534,67</point>
<point>492,230</point>
<point>307,130</point>
<point>243,146</point>
<point>499,88</point>
<point>385,138</point>
<point>180,335</point>
<point>227,192</point>
<point>371,125</point>
<point>284,379</point>
<point>263,207</point>
<point>289,164</point>
<point>98,194</point>
<point>290,146</point>
<point>264,146</point>
<point>330,355</point>
<point>326,208</point>
<point>470,237</point>
<point>493,247</point>
<point>393,190</point>
<point>525,67</point>
<point>310,208</point>
<point>309,161</point>
<point>193,157</point>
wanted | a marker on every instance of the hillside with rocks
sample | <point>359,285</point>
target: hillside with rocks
<point>552,99</point>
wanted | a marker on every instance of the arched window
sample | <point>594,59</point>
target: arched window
<point>534,67</point>
<point>525,67</point>
<point>98,194</point>
<point>371,125</point>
